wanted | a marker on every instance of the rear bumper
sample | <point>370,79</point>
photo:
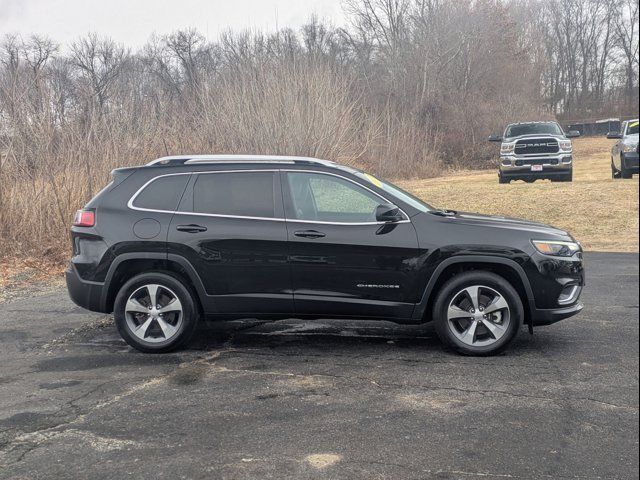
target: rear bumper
<point>548,317</point>
<point>85,294</point>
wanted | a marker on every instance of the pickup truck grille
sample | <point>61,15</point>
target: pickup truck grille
<point>537,161</point>
<point>532,146</point>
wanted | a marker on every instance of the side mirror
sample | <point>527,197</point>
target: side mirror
<point>573,134</point>
<point>388,213</point>
<point>495,138</point>
<point>614,135</point>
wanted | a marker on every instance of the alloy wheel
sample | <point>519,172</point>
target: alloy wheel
<point>478,316</point>
<point>154,313</point>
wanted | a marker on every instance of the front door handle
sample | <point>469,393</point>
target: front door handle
<point>309,234</point>
<point>191,228</point>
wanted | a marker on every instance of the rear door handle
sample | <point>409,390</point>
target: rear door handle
<point>309,234</point>
<point>191,228</point>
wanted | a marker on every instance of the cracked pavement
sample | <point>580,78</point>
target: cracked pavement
<point>323,399</point>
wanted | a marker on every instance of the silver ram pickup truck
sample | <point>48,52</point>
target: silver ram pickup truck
<point>535,150</point>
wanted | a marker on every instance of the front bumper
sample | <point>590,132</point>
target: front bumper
<point>553,166</point>
<point>557,284</point>
<point>549,317</point>
<point>85,294</point>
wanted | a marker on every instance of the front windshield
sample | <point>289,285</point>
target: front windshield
<point>632,128</point>
<point>548,128</point>
<point>397,192</point>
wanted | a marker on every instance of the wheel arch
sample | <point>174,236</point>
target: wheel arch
<point>506,268</point>
<point>126,266</point>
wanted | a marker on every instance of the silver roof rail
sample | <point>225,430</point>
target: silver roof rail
<point>205,159</point>
<point>182,158</point>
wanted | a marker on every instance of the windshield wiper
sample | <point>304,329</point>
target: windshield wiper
<point>444,213</point>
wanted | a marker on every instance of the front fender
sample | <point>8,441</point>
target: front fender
<point>420,310</point>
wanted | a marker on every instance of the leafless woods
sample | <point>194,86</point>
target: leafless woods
<point>407,88</point>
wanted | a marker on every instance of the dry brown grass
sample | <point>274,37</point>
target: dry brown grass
<point>17,274</point>
<point>600,212</point>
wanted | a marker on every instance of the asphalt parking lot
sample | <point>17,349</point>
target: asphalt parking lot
<point>322,399</point>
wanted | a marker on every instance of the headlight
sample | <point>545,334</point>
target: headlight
<point>629,147</point>
<point>507,148</point>
<point>557,249</point>
<point>565,145</point>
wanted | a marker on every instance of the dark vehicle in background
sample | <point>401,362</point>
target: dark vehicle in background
<point>223,237</point>
<point>624,154</point>
<point>535,150</point>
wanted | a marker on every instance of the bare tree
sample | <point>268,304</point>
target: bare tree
<point>626,37</point>
<point>408,88</point>
<point>99,61</point>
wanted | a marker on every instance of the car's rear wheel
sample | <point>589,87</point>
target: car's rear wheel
<point>478,313</point>
<point>155,312</point>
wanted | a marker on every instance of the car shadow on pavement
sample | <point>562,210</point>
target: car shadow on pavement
<point>315,336</point>
<point>362,337</point>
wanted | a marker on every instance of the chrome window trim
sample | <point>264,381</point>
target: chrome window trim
<point>199,214</point>
<point>406,217</point>
<point>145,185</point>
<point>131,206</point>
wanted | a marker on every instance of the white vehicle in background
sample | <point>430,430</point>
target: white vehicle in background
<point>535,150</point>
<point>624,154</point>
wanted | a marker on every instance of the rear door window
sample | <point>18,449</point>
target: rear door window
<point>241,194</point>
<point>162,194</point>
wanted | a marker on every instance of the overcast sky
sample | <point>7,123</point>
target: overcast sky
<point>132,21</point>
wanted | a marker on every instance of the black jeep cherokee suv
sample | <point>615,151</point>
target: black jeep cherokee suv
<point>222,237</point>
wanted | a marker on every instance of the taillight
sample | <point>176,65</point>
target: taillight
<point>84,218</point>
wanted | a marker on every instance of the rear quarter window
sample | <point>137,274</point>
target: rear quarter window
<point>163,193</point>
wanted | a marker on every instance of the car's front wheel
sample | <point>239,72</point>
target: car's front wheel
<point>478,313</point>
<point>615,174</point>
<point>568,177</point>
<point>503,180</point>
<point>155,312</point>
<point>625,173</point>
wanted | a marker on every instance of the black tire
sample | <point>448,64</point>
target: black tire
<point>615,174</point>
<point>624,173</point>
<point>189,318</point>
<point>502,180</point>
<point>453,287</point>
<point>564,178</point>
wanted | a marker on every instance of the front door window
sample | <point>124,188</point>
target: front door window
<point>328,198</point>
